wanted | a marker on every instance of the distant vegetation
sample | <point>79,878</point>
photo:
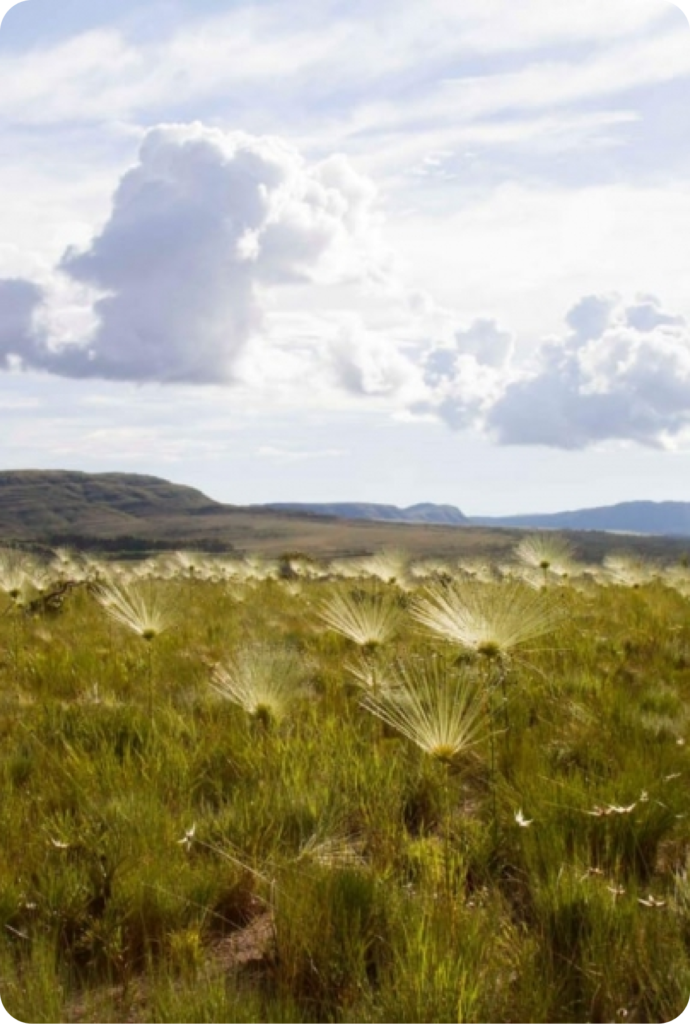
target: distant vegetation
<point>375,789</point>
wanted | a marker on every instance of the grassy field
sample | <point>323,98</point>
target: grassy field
<point>377,789</point>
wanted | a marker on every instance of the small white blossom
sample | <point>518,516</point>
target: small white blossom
<point>652,902</point>
<point>522,820</point>
<point>188,837</point>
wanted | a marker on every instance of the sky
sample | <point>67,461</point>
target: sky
<point>293,250</point>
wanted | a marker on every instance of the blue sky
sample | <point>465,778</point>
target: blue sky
<point>299,251</point>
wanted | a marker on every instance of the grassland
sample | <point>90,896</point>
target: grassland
<point>251,790</point>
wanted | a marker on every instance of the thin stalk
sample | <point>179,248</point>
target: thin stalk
<point>493,761</point>
<point>446,833</point>
<point>149,673</point>
<point>15,644</point>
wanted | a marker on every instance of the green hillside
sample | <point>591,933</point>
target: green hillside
<point>59,500</point>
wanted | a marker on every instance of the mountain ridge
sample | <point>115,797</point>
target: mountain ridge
<point>654,518</point>
<point>422,512</point>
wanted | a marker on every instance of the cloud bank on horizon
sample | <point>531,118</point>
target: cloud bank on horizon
<point>291,244</point>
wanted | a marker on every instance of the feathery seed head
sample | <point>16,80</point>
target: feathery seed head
<point>372,674</point>
<point>477,570</point>
<point>366,619</point>
<point>629,570</point>
<point>489,619</point>
<point>546,551</point>
<point>140,606</point>
<point>431,568</point>
<point>390,566</point>
<point>17,571</point>
<point>15,568</point>
<point>263,680</point>
<point>188,562</point>
<point>434,706</point>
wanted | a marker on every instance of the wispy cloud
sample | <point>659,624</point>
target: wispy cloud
<point>282,454</point>
<point>402,52</point>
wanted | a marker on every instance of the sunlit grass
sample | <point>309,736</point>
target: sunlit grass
<point>296,813</point>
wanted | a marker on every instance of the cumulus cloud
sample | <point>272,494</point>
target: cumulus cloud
<point>201,229</point>
<point>483,342</point>
<point>183,283</point>
<point>621,373</point>
<point>368,363</point>
<point>464,372</point>
<point>19,301</point>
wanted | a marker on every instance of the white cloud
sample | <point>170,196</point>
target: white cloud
<point>369,363</point>
<point>495,26</point>
<point>202,229</point>
<point>524,252</point>
<point>486,342</point>
<point>464,373</point>
<point>283,50</point>
<point>548,82</point>
<point>281,454</point>
<point>551,103</point>
<point>19,301</point>
<point>210,230</point>
<point>621,373</point>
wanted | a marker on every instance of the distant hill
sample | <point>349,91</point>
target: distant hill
<point>132,513</point>
<point>669,518</point>
<point>55,501</point>
<point>665,518</point>
<point>447,515</point>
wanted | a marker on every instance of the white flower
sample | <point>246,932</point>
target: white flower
<point>651,902</point>
<point>188,837</point>
<point>522,820</point>
<point>615,809</point>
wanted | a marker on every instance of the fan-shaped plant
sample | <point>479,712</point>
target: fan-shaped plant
<point>489,619</point>
<point>263,680</point>
<point>141,606</point>
<point>433,705</point>
<point>629,570</point>
<point>367,620</point>
<point>372,673</point>
<point>546,551</point>
<point>16,571</point>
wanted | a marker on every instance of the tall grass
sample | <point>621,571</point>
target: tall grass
<point>229,833</point>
